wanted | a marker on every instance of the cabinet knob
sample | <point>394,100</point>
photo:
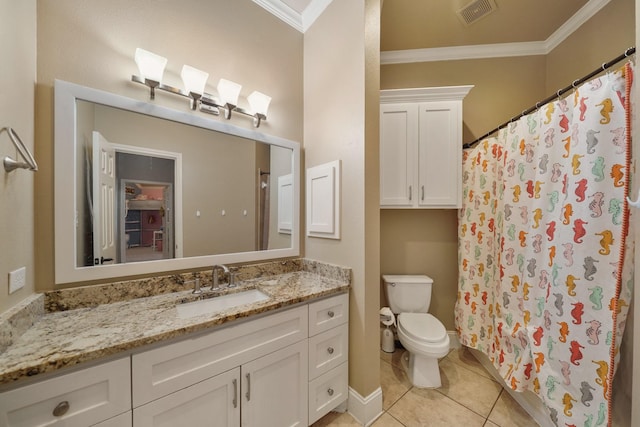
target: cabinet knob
<point>330,392</point>
<point>330,313</point>
<point>61,409</point>
<point>330,350</point>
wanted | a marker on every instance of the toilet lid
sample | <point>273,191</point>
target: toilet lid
<point>422,326</point>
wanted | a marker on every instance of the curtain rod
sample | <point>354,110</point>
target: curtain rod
<point>630,51</point>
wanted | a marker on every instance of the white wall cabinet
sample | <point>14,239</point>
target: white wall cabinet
<point>421,147</point>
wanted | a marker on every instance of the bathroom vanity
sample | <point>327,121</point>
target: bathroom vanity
<point>144,362</point>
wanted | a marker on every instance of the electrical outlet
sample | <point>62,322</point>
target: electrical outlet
<point>17,279</point>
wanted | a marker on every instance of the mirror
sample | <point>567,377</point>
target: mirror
<point>154,189</point>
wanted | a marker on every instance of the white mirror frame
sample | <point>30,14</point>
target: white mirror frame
<point>65,209</point>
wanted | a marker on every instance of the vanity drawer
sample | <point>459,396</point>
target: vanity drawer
<point>328,313</point>
<point>328,350</point>
<point>166,369</point>
<point>81,398</point>
<point>328,391</point>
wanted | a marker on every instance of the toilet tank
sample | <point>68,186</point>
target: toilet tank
<point>408,294</point>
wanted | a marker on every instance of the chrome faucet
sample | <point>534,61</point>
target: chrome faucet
<point>214,284</point>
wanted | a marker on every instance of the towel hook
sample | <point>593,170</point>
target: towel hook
<point>11,164</point>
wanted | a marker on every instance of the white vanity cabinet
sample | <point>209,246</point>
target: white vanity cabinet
<point>421,147</point>
<point>79,399</point>
<point>256,372</point>
<point>214,402</point>
<point>328,355</point>
<point>252,371</point>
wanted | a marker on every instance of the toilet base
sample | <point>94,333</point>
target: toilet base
<point>423,372</point>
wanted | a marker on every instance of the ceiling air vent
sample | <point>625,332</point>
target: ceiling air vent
<point>475,10</point>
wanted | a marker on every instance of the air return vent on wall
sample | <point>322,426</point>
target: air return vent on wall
<point>476,10</point>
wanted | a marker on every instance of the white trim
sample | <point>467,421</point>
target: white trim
<point>580,17</point>
<point>365,409</point>
<point>313,12</point>
<point>498,50</point>
<point>300,21</point>
<point>282,11</point>
<point>424,94</point>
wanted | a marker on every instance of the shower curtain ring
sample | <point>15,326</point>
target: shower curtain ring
<point>574,84</point>
<point>635,204</point>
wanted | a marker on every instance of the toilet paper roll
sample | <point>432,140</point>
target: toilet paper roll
<point>387,317</point>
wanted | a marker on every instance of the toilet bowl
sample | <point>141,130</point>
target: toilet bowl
<point>420,333</point>
<point>426,340</point>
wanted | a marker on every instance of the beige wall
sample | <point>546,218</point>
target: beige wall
<point>17,86</point>
<point>599,40</point>
<point>92,44</point>
<point>337,82</point>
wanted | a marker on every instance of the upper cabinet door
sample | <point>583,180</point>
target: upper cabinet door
<point>398,148</point>
<point>440,155</point>
<point>421,147</point>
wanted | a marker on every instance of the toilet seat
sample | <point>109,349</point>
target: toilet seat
<point>423,327</point>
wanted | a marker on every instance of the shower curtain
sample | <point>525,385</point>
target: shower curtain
<point>545,252</point>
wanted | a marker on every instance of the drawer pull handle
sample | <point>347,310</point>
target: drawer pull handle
<point>330,350</point>
<point>330,313</point>
<point>61,409</point>
<point>248,394</point>
<point>330,392</point>
<point>235,393</point>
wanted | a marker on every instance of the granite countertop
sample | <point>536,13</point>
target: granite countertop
<point>56,339</point>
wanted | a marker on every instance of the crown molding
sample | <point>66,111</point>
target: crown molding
<point>498,50</point>
<point>313,12</point>
<point>422,94</point>
<point>300,21</point>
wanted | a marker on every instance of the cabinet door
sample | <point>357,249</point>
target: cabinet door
<point>439,155</point>
<point>275,388</point>
<point>398,140</point>
<point>212,403</point>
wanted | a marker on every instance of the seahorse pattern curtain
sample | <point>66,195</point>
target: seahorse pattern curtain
<point>545,251</point>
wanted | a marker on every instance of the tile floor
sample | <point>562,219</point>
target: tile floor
<point>468,397</point>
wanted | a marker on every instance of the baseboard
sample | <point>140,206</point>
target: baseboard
<point>365,409</point>
<point>454,342</point>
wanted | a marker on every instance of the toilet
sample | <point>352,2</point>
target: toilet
<point>420,333</point>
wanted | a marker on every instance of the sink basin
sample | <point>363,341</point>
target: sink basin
<point>220,303</point>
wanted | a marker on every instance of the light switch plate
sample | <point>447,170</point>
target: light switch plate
<point>17,279</point>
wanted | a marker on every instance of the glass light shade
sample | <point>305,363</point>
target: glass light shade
<point>151,66</point>
<point>259,102</point>
<point>228,92</point>
<point>194,80</point>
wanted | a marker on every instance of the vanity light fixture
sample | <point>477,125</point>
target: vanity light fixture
<point>151,67</point>
<point>229,92</point>
<point>194,82</point>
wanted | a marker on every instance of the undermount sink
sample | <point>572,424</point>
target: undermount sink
<point>220,303</point>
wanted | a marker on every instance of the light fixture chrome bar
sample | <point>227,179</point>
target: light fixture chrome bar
<point>207,103</point>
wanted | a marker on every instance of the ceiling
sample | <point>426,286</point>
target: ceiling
<point>428,30</point>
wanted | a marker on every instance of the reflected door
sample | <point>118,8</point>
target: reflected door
<point>104,183</point>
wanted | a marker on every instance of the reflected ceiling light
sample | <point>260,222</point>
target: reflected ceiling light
<point>151,67</point>
<point>259,103</point>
